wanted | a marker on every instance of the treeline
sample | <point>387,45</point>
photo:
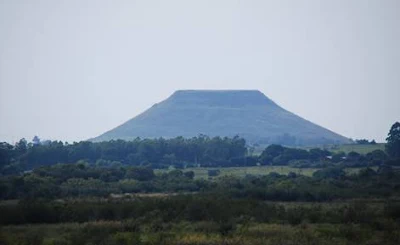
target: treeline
<point>80,180</point>
<point>178,152</point>
<point>159,153</point>
<point>84,180</point>
<point>319,158</point>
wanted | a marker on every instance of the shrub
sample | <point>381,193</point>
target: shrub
<point>213,172</point>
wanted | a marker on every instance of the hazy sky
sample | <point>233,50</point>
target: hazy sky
<point>73,69</point>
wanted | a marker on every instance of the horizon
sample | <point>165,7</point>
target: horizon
<point>186,90</point>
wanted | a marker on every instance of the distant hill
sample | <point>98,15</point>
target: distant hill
<point>247,113</point>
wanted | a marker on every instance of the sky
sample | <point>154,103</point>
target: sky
<point>71,70</point>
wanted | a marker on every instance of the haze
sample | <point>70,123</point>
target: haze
<point>71,70</point>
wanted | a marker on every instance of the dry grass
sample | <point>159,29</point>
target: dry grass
<point>202,173</point>
<point>254,234</point>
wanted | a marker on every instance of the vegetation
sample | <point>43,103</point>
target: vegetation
<point>179,152</point>
<point>365,142</point>
<point>393,141</point>
<point>158,153</point>
<point>359,148</point>
<point>81,180</point>
<point>154,192</point>
<point>200,220</point>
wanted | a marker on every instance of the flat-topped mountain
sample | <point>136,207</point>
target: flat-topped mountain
<point>247,113</point>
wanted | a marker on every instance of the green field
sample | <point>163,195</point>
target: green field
<point>202,173</point>
<point>362,149</point>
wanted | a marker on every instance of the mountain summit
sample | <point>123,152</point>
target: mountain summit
<point>247,113</point>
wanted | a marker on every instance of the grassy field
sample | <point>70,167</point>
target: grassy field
<point>286,231</point>
<point>202,173</point>
<point>108,232</point>
<point>362,149</point>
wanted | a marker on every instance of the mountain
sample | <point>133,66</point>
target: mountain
<point>247,113</point>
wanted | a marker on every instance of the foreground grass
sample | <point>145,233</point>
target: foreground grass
<point>102,232</point>
<point>364,222</point>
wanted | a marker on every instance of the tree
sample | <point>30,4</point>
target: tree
<point>332,172</point>
<point>213,172</point>
<point>393,141</point>
<point>318,154</point>
<point>362,141</point>
<point>353,156</point>
<point>337,157</point>
<point>6,153</point>
<point>21,146</point>
<point>270,153</point>
<point>366,173</point>
<point>36,140</point>
<point>376,157</point>
<point>140,173</point>
<point>189,174</point>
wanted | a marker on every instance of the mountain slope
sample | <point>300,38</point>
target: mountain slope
<point>247,113</point>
